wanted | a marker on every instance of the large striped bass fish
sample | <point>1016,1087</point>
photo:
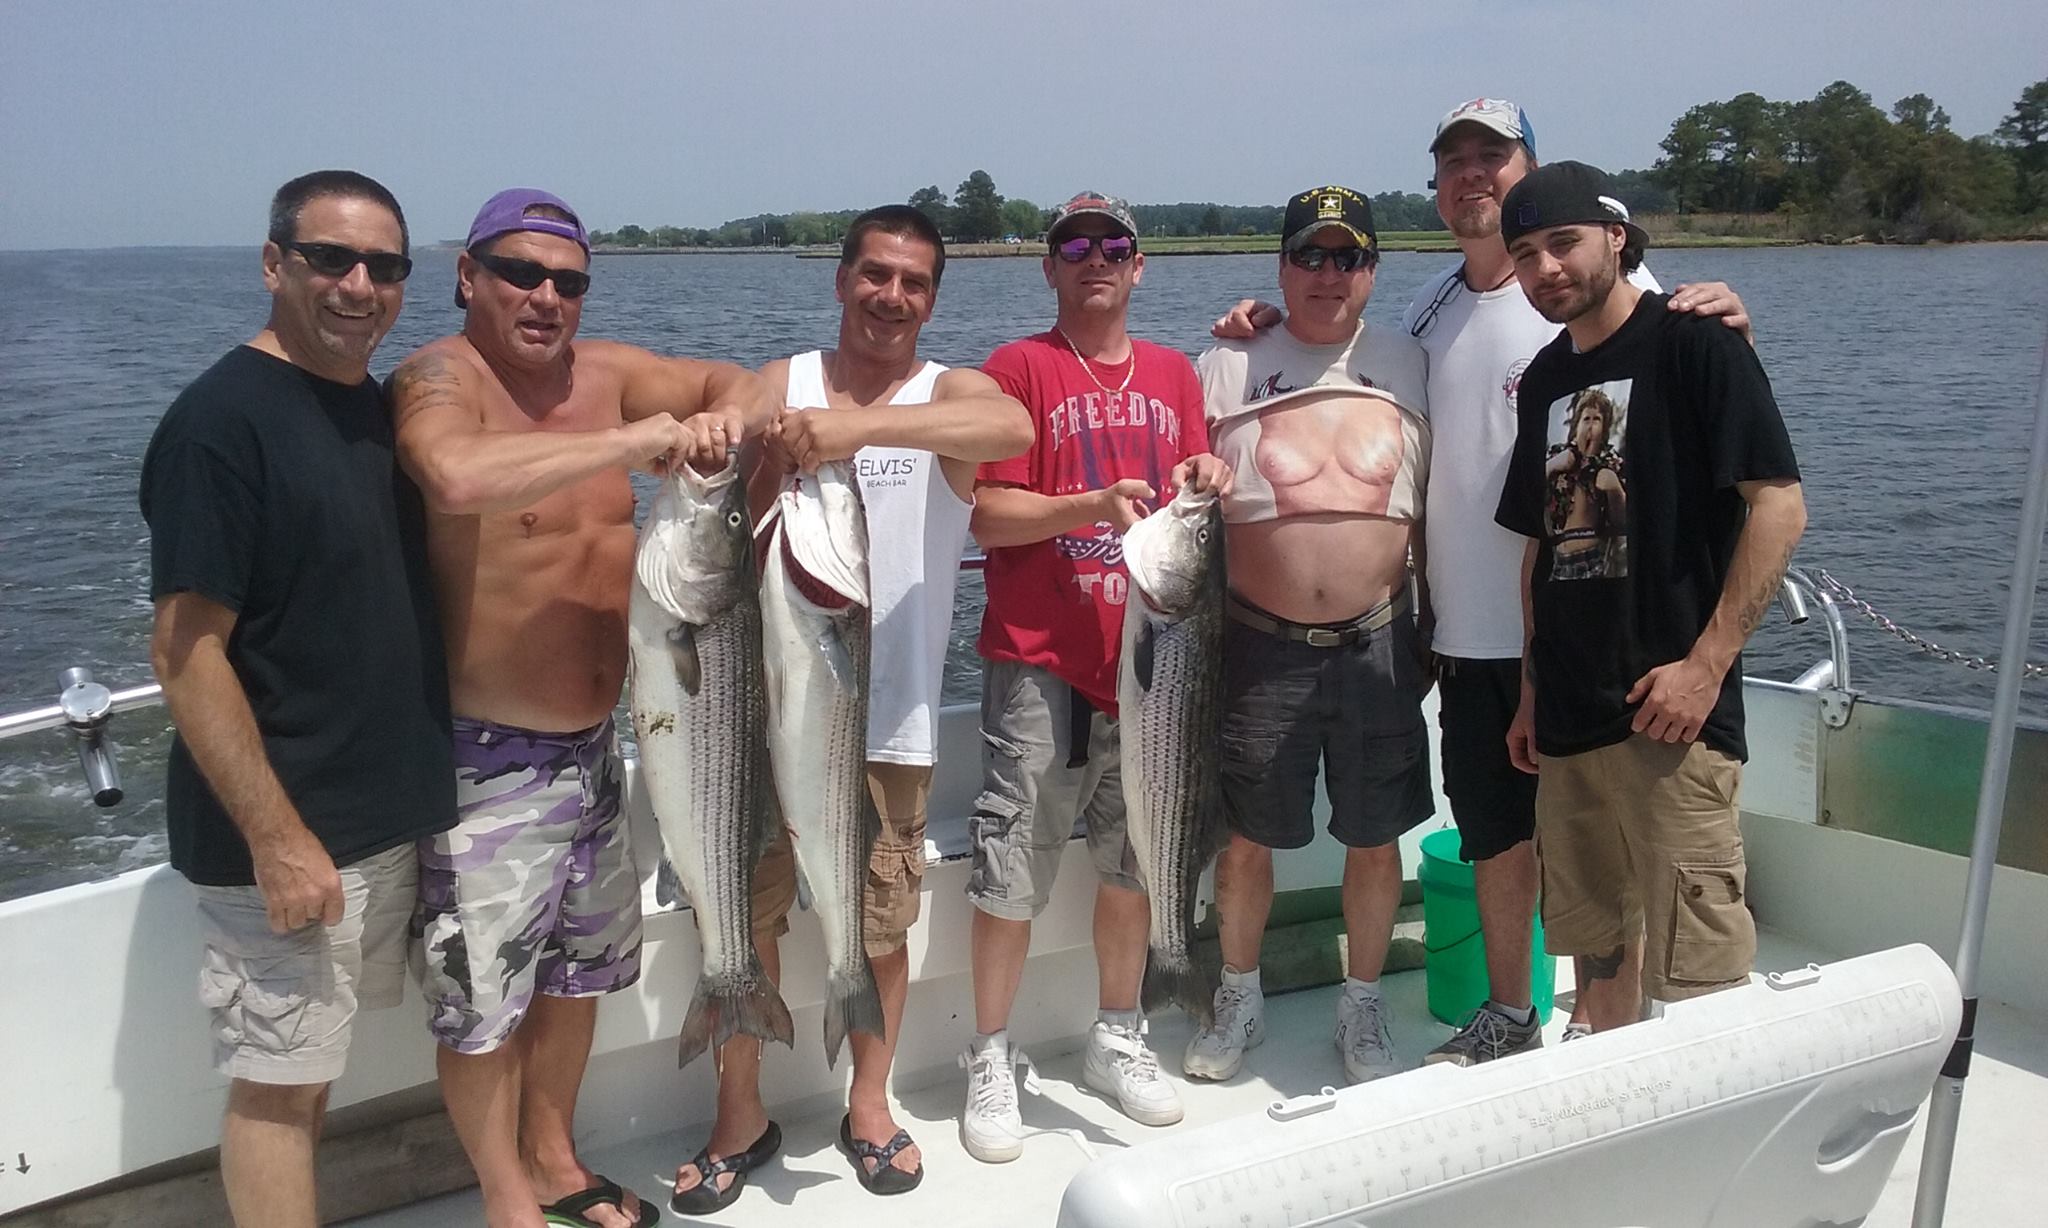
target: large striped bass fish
<point>700,715</point>
<point>815,615</point>
<point>1170,725</point>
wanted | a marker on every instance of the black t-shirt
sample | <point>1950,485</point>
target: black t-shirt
<point>277,494</point>
<point>1624,470</point>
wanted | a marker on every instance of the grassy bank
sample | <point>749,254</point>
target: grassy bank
<point>1666,230</point>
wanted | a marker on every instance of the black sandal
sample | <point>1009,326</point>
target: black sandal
<point>705,1197</point>
<point>885,1178</point>
<point>574,1210</point>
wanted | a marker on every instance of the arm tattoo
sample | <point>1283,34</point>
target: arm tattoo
<point>1602,967</point>
<point>1759,601</point>
<point>425,381</point>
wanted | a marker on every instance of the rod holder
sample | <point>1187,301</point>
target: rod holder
<point>87,707</point>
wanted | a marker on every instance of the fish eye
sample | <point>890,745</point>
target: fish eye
<point>733,519</point>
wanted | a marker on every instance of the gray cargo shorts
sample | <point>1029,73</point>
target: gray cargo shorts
<point>282,1006</point>
<point>1032,793</point>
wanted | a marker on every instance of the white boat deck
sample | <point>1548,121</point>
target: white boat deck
<point>1999,1178</point>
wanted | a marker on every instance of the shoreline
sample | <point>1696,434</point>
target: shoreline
<point>1266,245</point>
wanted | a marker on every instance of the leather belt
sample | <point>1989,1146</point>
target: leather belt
<point>1381,615</point>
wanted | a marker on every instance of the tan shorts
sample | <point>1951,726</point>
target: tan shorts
<point>895,869</point>
<point>283,1004</point>
<point>1642,838</point>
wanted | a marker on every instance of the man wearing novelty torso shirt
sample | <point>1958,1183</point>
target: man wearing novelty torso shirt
<point>1324,423</point>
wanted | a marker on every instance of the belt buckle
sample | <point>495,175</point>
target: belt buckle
<point>1323,637</point>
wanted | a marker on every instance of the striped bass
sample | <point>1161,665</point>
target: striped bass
<point>814,611</point>
<point>1170,724</point>
<point>700,715</point>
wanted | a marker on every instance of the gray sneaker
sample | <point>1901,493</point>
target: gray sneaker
<point>1490,1033</point>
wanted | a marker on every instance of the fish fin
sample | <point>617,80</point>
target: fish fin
<point>1141,654</point>
<point>771,822</point>
<point>1181,980</point>
<point>852,1004</point>
<point>668,887</point>
<point>699,1022</point>
<point>760,1011</point>
<point>753,1007</point>
<point>838,654</point>
<point>682,648</point>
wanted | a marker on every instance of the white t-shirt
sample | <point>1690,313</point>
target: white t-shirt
<point>1478,345</point>
<point>1312,429</point>
<point>917,529</point>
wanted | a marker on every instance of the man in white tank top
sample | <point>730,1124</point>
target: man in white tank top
<point>1479,332</point>
<point>916,432</point>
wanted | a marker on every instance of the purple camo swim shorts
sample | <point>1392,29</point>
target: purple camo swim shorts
<point>533,889</point>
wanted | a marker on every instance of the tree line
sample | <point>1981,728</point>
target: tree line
<point>977,213</point>
<point>1834,164</point>
<point>1838,163</point>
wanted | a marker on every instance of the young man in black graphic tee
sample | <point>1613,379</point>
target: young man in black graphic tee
<point>1654,477</point>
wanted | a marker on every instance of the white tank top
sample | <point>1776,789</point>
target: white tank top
<point>917,530</point>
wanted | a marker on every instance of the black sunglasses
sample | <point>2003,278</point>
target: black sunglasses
<point>1115,248</point>
<point>334,260</point>
<point>528,274</point>
<point>1444,294</point>
<point>1347,259</point>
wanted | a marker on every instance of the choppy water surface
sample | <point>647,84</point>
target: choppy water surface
<point>1906,375</point>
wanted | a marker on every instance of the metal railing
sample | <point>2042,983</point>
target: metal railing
<point>84,707</point>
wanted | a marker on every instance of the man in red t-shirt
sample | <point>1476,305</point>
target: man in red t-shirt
<point>1119,424</point>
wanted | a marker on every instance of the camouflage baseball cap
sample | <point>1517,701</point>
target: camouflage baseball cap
<point>1115,208</point>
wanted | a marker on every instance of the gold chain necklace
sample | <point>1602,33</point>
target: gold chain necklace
<point>1090,373</point>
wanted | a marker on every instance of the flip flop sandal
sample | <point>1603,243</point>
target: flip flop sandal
<point>705,1197</point>
<point>573,1211</point>
<point>886,1177</point>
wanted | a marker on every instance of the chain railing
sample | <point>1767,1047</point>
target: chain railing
<point>1920,643</point>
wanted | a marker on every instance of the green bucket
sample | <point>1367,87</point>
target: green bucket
<point>1456,962</point>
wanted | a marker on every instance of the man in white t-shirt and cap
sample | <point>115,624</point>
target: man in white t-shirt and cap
<point>1480,332</point>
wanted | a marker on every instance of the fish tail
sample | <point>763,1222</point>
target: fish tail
<point>751,1006</point>
<point>1179,979</point>
<point>853,1003</point>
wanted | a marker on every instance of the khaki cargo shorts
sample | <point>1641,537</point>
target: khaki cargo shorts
<point>1642,838</point>
<point>895,884</point>
<point>283,1005</point>
<point>1035,785</point>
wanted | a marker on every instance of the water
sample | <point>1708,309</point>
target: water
<point>1906,375</point>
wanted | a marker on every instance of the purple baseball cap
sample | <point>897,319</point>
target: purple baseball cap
<point>526,209</point>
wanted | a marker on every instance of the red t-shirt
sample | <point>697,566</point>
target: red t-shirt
<point>1059,604</point>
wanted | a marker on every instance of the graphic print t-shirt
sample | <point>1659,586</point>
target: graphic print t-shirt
<point>1058,604</point>
<point>1625,465</point>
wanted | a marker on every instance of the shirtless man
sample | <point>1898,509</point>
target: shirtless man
<point>1588,499</point>
<point>916,431</point>
<point>1322,659</point>
<point>520,437</point>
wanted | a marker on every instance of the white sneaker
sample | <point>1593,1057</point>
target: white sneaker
<point>991,1127</point>
<point>1576,1031</point>
<point>1217,1051</point>
<point>1120,1066</point>
<point>1363,1039</point>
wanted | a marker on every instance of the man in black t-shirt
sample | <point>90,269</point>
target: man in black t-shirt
<point>1654,477</point>
<point>300,655</point>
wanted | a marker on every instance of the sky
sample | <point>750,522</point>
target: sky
<point>141,122</point>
